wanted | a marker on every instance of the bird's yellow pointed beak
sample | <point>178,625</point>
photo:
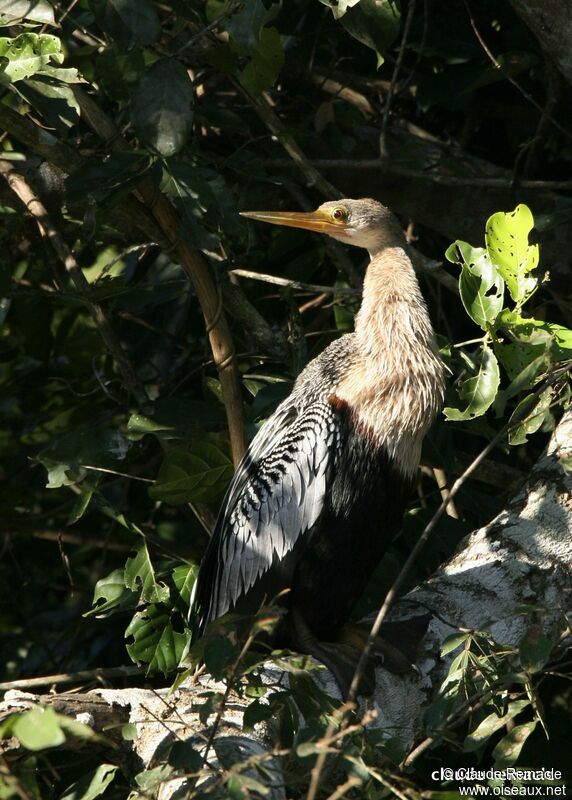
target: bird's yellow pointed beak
<point>319,221</point>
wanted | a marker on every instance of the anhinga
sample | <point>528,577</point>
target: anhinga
<point>320,492</point>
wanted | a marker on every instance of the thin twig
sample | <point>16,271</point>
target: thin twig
<point>275,125</point>
<point>291,284</point>
<point>513,81</point>
<point>394,77</point>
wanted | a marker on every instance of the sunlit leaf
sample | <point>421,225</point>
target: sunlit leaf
<point>481,286</point>
<point>184,577</point>
<point>27,54</point>
<point>485,729</point>
<point>152,640</point>
<point>151,779</point>
<point>111,594</point>
<point>39,728</point>
<point>374,23</point>
<point>507,244</point>
<point>339,7</point>
<point>92,785</point>
<point>452,642</point>
<point>14,11</point>
<point>140,576</point>
<point>478,392</point>
<point>535,411</point>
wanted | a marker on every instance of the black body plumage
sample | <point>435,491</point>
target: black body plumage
<point>311,509</point>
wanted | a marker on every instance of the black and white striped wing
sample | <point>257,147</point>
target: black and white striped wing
<point>275,498</point>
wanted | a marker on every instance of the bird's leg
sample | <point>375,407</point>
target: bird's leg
<point>395,646</point>
<point>341,658</point>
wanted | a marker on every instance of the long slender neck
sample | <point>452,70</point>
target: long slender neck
<point>393,316</point>
<point>395,385</point>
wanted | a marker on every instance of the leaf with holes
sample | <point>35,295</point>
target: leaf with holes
<point>506,237</point>
<point>27,54</point>
<point>479,391</point>
<point>152,640</point>
<point>111,595</point>
<point>480,285</point>
<point>140,577</point>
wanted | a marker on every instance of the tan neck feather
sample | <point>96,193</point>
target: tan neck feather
<point>395,387</point>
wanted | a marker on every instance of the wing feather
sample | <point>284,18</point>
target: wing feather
<point>276,496</point>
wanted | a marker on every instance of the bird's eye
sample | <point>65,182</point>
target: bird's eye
<point>339,214</point>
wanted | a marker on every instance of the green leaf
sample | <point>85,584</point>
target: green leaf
<point>184,577</point>
<point>92,785</point>
<point>508,749</point>
<point>374,23</point>
<point>265,64</point>
<point>151,779</point>
<point>479,391</point>
<point>480,285</point>
<point>53,98</point>
<point>219,654</point>
<point>533,419</point>
<point>241,786</point>
<point>94,446</point>
<point>452,642</point>
<point>491,724</point>
<point>14,11</point>
<point>535,649</point>
<point>339,7</point>
<point>162,107</point>
<point>111,594</point>
<point>107,181</point>
<point>131,21</point>
<point>246,25</point>
<point>200,474</point>
<point>506,238</point>
<point>27,54</point>
<point>154,641</point>
<point>38,729</point>
<point>140,576</point>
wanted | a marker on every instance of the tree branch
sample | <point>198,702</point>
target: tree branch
<point>36,208</point>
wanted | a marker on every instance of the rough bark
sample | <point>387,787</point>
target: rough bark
<point>522,557</point>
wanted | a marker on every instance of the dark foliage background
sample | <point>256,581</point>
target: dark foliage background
<point>143,128</point>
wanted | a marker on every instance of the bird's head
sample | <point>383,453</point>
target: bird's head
<point>363,223</point>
